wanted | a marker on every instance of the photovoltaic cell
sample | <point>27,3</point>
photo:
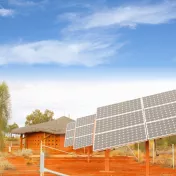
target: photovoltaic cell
<point>159,99</point>
<point>119,108</point>
<point>162,128</point>
<point>83,141</point>
<point>70,133</point>
<point>85,120</point>
<point>84,131</point>
<point>160,112</point>
<point>69,137</point>
<point>119,137</point>
<point>119,121</point>
<point>68,142</point>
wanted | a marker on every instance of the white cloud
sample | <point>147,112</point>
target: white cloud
<point>87,53</point>
<point>22,3</point>
<point>125,16</point>
<point>77,98</point>
<point>6,12</point>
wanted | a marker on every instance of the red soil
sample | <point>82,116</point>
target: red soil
<point>122,166</point>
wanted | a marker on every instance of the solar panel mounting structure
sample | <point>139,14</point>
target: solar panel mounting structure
<point>84,131</point>
<point>69,137</point>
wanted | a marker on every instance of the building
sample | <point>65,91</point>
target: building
<point>51,133</point>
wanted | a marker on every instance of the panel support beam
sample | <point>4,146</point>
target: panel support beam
<point>88,154</point>
<point>147,157</point>
<point>107,162</point>
<point>107,152</point>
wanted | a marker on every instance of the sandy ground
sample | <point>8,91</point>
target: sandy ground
<point>120,166</point>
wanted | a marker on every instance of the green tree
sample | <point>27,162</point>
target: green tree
<point>11,127</point>
<point>38,117</point>
<point>5,111</point>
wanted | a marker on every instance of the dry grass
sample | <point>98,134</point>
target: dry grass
<point>164,160</point>
<point>5,165</point>
<point>24,152</point>
<point>3,154</point>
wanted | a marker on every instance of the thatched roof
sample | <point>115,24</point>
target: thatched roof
<point>57,126</point>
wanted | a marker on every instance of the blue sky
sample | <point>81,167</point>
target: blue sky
<point>87,35</point>
<point>85,40</point>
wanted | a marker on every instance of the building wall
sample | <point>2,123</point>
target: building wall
<point>33,141</point>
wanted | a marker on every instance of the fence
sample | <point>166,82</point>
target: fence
<point>42,160</point>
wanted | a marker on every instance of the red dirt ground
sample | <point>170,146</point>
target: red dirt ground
<point>122,166</point>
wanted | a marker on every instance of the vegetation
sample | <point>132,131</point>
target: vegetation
<point>24,152</point>
<point>5,165</point>
<point>38,117</point>
<point>5,111</point>
<point>13,126</point>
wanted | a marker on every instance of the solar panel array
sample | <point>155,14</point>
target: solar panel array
<point>84,131</point>
<point>135,120</point>
<point>69,137</point>
<point>126,122</point>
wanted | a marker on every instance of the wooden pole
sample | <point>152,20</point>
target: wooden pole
<point>138,153</point>
<point>107,151</point>
<point>21,141</point>
<point>88,154</point>
<point>147,157</point>
<point>154,152</point>
<point>173,159</point>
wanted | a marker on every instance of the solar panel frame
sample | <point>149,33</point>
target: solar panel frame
<point>69,136</point>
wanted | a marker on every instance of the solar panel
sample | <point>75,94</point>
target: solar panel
<point>159,99</point>
<point>160,112</point>
<point>162,128</point>
<point>84,131</point>
<point>119,124</point>
<point>119,121</point>
<point>85,120</point>
<point>119,137</point>
<point>119,108</point>
<point>69,137</point>
<point>83,141</point>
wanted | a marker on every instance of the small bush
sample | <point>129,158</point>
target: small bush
<point>11,139</point>
<point>24,152</point>
<point>3,154</point>
<point>5,165</point>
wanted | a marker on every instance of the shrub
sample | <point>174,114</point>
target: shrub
<point>5,165</point>
<point>3,154</point>
<point>24,152</point>
<point>11,139</point>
